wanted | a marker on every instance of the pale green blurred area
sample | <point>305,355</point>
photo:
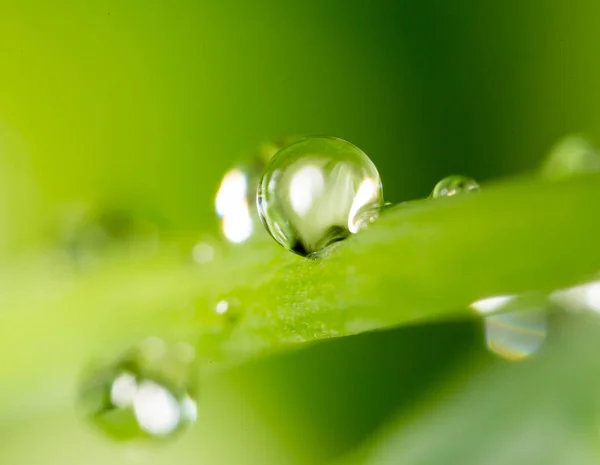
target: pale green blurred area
<point>147,104</point>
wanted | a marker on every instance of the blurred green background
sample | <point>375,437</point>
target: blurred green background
<point>147,104</point>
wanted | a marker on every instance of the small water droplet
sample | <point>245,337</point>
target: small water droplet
<point>317,191</point>
<point>148,392</point>
<point>516,335</point>
<point>454,185</point>
<point>235,202</point>
<point>521,330</point>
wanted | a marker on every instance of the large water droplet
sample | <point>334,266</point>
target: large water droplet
<point>454,185</point>
<point>147,393</point>
<point>317,191</point>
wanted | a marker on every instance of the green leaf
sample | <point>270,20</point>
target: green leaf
<point>422,260</point>
<point>543,411</point>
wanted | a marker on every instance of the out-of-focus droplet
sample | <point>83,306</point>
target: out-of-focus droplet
<point>233,208</point>
<point>317,191</point>
<point>574,154</point>
<point>518,332</point>
<point>516,335</point>
<point>222,307</point>
<point>454,185</point>
<point>86,233</point>
<point>149,392</point>
<point>203,252</point>
<point>235,202</point>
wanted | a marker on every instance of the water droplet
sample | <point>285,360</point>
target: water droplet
<point>574,154</point>
<point>235,202</point>
<point>148,392</point>
<point>454,185</point>
<point>521,330</point>
<point>233,207</point>
<point>318,191</point>
<point>516,335</point>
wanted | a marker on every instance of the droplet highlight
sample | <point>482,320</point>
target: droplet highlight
<point>235,201</point>
<point>233,208</point>
<point>148,392</point>
<point>317,191</point>
<point>585,297</point>
<point>491,304</point>
<point>454,185</point>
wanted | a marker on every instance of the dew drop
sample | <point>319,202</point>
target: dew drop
<point>520,331</point>
<point>516,335</point>
<point>148,392</point>
<point>235,202</point>
<point>317,191</point>
<point>454,185</point>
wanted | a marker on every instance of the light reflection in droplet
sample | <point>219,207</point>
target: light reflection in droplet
<point>237,226</point>
<point>306,186</point>
<point>189,409</point>
<point>232,207</point>
<point>146,393</point>
<point>491,304</point>
<point>583,297</point>
<point>123,390</point>
<point>516,335</point>
<point>156,409</point>
<point>231,192</point>
<point>222,307</point>
<point>367,194</point>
